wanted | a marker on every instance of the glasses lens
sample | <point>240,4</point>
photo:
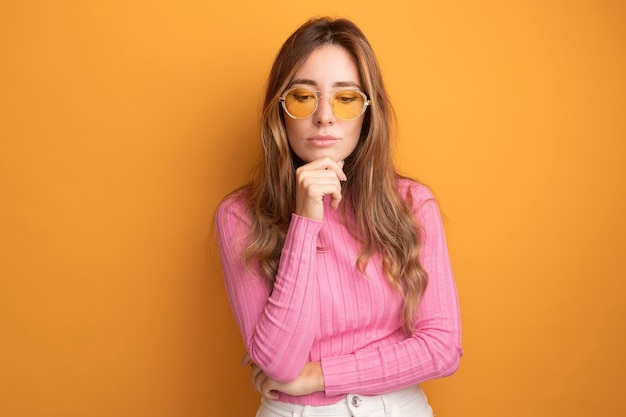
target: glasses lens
<point>300,102</point>
<point>348,104</point>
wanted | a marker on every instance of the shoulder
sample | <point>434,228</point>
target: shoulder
<point>414,192</point>
<point>424,207</point>
<point>233,208</point>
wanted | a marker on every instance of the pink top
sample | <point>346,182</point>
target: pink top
<point>323,309</point>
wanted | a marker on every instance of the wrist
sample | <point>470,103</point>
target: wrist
<point>316,376</point>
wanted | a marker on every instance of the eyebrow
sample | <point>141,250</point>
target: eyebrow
<point>306,81</point>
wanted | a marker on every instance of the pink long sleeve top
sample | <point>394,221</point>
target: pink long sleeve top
<point>321,308</point>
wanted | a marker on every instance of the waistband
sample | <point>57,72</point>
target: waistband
<point>351,404</point>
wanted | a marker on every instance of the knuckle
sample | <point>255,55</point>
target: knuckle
<point>307,183</point>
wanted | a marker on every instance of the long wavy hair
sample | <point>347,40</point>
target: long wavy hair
<point>383,221</point>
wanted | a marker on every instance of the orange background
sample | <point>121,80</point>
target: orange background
<point>123,123</point>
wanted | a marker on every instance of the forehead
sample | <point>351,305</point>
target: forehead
<point>328,64</point>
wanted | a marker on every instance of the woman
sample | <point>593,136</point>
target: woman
<point>336,267</point>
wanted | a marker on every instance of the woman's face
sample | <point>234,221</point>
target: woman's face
<point>328,69</point>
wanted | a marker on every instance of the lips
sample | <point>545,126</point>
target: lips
<point>323,140</point>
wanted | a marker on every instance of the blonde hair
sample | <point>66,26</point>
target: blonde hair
<point>383,221</point>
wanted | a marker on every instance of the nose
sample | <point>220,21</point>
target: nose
<point>324,113</point>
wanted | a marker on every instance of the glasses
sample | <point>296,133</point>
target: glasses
<point>300,103</point>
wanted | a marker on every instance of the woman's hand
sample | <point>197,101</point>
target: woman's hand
<point>309,381</point>
<point>315,180</point>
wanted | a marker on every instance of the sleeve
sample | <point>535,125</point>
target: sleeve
<point>432,351</point>
<point>275,323</point>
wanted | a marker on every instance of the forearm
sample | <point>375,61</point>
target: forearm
<point>414,360</point>
<point>432,351</point>
<point>275,322</point>
<point>284,333</point>
<point>309,381</point>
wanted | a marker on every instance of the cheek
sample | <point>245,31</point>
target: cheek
<point>294,130</point>
<point>356,131</point>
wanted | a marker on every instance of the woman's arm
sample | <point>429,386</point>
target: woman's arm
<point>277,323</point>
<point>309,380</point>
<point>274,322</point>
<point>433,350</point>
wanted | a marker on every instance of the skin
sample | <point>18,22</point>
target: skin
<point>329,68</point>
<point>322,141</point>
<point>309,381</point>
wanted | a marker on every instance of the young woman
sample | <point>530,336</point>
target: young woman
<point>336,267</point>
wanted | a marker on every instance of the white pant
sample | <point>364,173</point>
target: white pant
<point>407,402</point>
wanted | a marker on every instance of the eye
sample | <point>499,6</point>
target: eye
<point>347,100</point>
<point>347,97</point>
<point>303,95</point>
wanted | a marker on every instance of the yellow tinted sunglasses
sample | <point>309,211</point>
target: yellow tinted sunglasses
<point>300,103</point>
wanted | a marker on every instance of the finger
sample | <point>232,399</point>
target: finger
<point>325,163</point>
<point>319,187</point>
<point>311,187</point>
<point>268,389</point>
<point>309,202</point>
<point>246,359</point>
<point>255,371</point>
<point>318,179</point>
<point>317,175</point>
<point>258,378</point>
<point>336,199</point>
<point>317,183</point>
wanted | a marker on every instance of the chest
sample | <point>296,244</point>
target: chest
<point>352,301</point>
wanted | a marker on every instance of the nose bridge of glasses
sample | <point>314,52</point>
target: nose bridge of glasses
<point>324,96</point>
<point>320,105</point>
<point>327,94</point>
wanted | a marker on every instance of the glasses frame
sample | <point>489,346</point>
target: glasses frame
<point>318,97</point>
